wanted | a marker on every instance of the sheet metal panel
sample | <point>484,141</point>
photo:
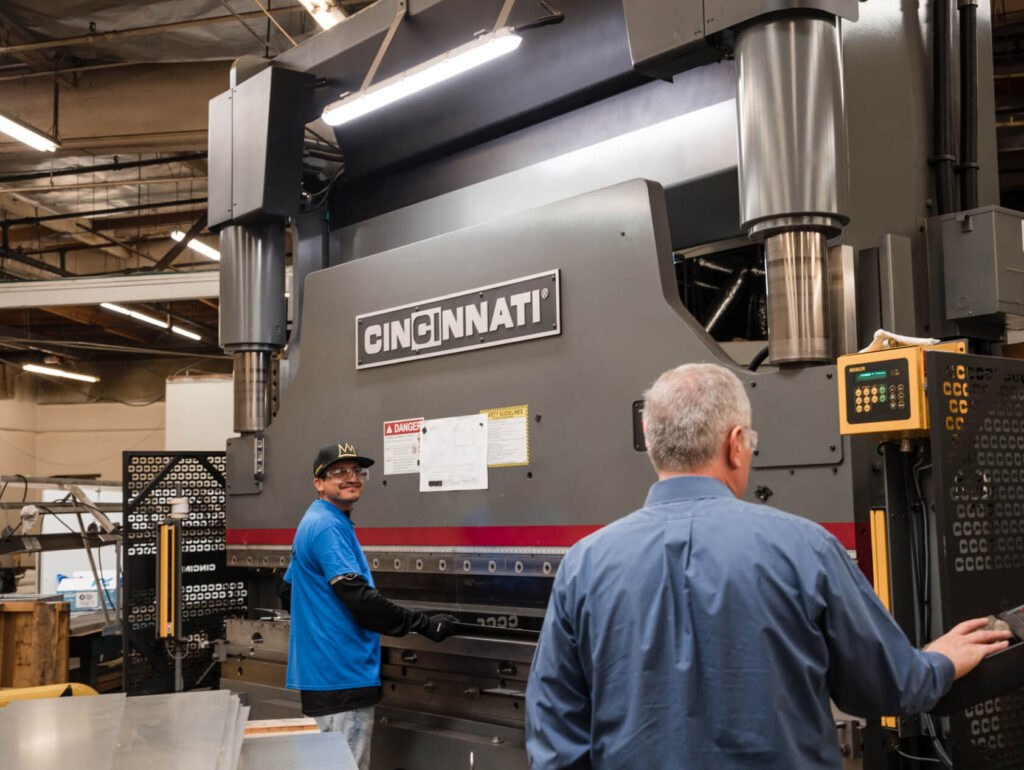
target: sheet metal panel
<point>308,751</point>
<point>177,731</point>
<point>976,409</point>
<point>44,734</point>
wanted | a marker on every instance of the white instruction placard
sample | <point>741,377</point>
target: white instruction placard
<point>453,453</point>
<point>402,446</point>
<point>508,436</point>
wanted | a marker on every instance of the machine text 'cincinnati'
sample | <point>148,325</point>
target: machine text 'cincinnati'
<point>511,311</point>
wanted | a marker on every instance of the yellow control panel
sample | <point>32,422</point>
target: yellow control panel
<point>882,392</point>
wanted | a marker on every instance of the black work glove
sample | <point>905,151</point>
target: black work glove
<point>438,627</point>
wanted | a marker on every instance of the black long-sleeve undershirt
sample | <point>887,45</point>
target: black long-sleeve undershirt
<point>372,610</point>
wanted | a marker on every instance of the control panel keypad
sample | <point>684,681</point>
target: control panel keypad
<point>878,392</point>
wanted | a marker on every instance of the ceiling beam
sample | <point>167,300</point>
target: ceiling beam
<point>158,219</point>
<point>74,226</point>
<point>16,34</point>
<point>144,287</point>
<point>96,37</point>
<point>91,317</point>
<point>175,251</point>
<point>118,166</point>
<point>143,182</point>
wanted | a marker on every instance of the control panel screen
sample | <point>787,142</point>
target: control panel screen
<point>878,392</point>
<point>876,374</point>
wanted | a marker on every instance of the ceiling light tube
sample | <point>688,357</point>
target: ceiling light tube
<point>197,245</point>
<point>23,132</point>
<point>456,61</point>
<point>134,314</point>
<point>59,373</point>
<point>325,12</point>
<point>186,333</point>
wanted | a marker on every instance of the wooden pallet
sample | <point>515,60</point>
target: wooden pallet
<point>34,643</point>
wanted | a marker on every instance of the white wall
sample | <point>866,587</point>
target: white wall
<point>199,413</point>
<point>17,437</point>
<point>65,439</point>
<point>89,438</point>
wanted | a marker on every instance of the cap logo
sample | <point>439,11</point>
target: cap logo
<point>344,449</point>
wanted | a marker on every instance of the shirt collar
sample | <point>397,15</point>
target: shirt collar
<point>682,487</point>
<point>334,509</point>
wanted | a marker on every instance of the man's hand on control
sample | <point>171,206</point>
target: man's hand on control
<point>438,627</point>
<point>967,643</point>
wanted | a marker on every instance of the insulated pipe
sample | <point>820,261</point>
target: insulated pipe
<point>968,167</point>
<point>793,170</point>
<point>252,314</point>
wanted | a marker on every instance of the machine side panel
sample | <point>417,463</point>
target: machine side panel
<point>622,325</point>
<point>976,406</point>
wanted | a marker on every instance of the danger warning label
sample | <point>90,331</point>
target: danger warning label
<point>402,445</point>
<point>403,427</point>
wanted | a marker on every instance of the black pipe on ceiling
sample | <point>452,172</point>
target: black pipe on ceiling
<point>116,166</point>
<point>101,212</point>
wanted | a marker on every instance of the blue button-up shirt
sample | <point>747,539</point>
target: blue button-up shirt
<point>706,632</point>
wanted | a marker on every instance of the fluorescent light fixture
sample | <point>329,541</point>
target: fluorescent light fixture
<point>186,333</point>
<point>149,320</point>
<point>59,373</point>
<point>134,314</point>
<point>456,61</point>
<point>23,132</point>
<point>197,245</point>
<point>325,12</point>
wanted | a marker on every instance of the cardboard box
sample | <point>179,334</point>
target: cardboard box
<point>79,590</point>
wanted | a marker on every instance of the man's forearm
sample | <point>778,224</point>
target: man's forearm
<point>372,610</point>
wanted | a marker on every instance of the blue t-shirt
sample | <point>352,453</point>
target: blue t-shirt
<point>328,649</point>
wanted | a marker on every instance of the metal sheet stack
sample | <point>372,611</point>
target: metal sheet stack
<point>177,731</point>
<point>197,731</point>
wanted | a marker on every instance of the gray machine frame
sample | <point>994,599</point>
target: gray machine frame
<point>573,158</point>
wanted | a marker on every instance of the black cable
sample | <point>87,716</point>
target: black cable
<point>916,759</point>
<point>919,468</point>
<point>14,531</point>
<point>554,17</point>
<point>24,489</point>
<point>59,520</point>
<point>915,556</point>
<point>940,750</point>
<point>757,360</point>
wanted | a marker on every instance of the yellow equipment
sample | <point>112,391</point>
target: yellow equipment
<point>45,691</point>
<point>882,392</point>
<point>168,580</point>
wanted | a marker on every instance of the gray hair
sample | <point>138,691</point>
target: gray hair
<point>688,412</point>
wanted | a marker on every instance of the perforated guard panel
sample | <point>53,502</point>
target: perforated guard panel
<point>976,408</point>
<point>210,590</point>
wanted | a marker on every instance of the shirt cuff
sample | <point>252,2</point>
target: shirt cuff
<point>944,667</point>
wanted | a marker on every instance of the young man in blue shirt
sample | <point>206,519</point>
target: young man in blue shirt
<point>702,631</point>
<point>336,612</point>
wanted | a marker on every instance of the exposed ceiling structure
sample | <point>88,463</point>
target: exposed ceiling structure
<point>124,85</point>
<point>1008,61</point>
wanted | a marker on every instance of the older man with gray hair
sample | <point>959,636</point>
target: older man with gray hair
<point>702,631</point>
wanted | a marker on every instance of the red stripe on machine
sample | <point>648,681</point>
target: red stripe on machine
<point>845,532</point>
<point>488,537</point>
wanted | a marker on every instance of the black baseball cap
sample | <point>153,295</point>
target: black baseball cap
<point>332,453</point>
